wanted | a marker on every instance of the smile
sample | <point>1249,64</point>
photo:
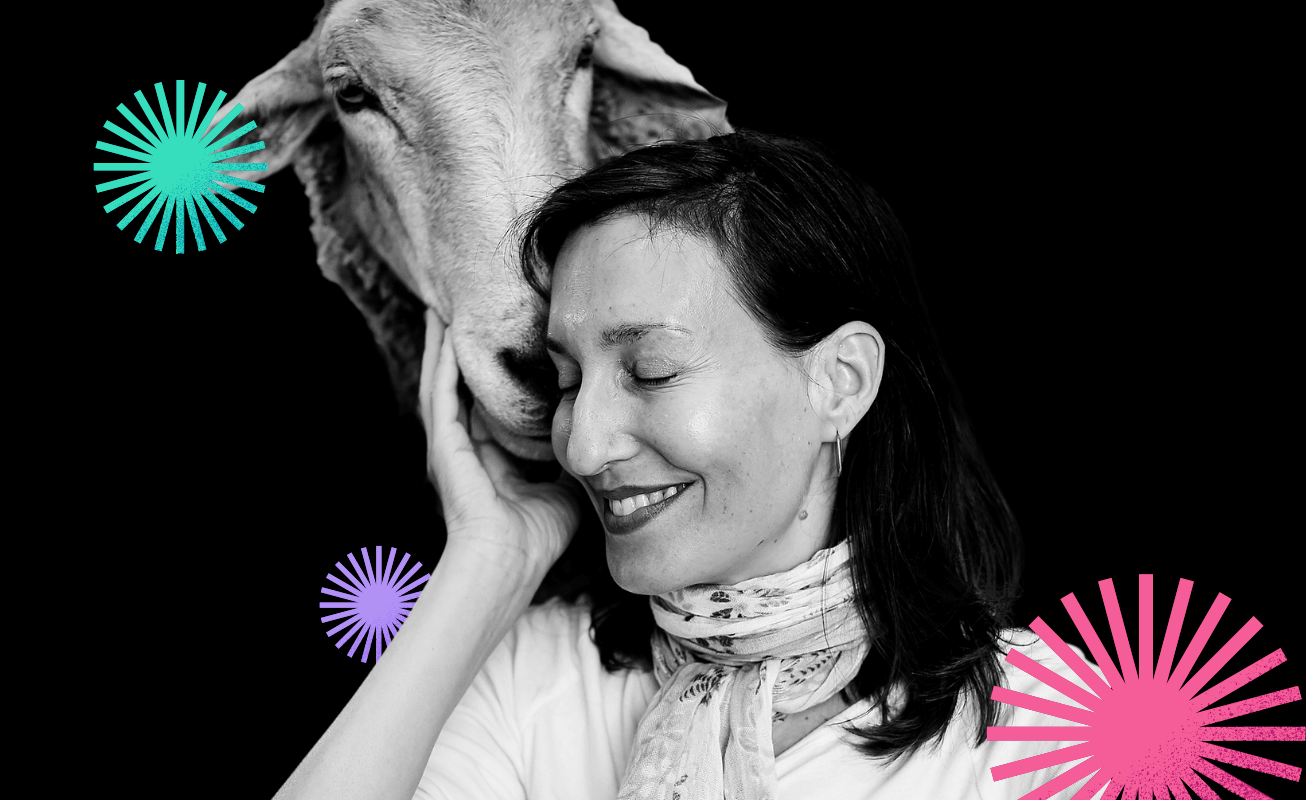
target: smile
<point>628,506</point>
<point>629,513</point>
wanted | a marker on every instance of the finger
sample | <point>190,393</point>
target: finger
<point>430,357</point>
<point>445,404</point>
<point>462,396</point>
<point>450,451</point>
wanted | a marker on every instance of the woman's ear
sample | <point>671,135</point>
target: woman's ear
<point>642,95</point>
<point>848,368</point>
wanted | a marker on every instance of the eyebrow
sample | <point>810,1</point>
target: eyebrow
<point>622,334</point>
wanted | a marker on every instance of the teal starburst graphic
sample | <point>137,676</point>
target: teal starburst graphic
<point>178,167</point>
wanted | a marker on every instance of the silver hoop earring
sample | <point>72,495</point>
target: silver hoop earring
<point>838,455</point>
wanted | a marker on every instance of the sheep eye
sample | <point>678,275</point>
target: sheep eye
<point>353,97</point>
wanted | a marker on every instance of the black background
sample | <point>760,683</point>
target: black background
<point>1091,197</point>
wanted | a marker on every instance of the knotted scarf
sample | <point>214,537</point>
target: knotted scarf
<point>728,657</point>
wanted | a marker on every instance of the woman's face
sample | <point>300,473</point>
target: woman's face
<point>695,439</point>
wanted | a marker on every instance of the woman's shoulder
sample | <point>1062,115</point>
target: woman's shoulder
<point>542,714</point>
<point>573,720</point>
<point>555,631</point>
<point>548,661</point>
<point>828,764</point>
<point>956,765</point>
<point>1029,645</point>
<point>1020,647</point>
<point>555,617</point>
<point>550,645</point>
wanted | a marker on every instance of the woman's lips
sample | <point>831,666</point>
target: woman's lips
<point>620,525</point>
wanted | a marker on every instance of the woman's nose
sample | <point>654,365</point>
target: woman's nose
<point>597,431</point>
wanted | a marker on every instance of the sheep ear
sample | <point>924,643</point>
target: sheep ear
<point>286,102</point>
<point>641,94</point>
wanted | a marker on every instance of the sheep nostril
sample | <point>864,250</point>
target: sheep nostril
<point>530,369</point>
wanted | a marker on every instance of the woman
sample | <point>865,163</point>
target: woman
<point>812,565</point>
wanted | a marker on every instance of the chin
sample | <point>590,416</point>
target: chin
<point>636,578</point>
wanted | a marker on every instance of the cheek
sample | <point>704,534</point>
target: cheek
<point>733,439</point>
<point>780,440</point>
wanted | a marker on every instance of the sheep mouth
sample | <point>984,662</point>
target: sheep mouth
<point>534,444</point>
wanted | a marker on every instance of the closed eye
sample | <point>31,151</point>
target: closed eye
<point>569,392</point>
<point>652,382</point>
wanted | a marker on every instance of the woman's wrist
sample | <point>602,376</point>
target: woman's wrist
<point>497,563</point>
<point>475,596</point>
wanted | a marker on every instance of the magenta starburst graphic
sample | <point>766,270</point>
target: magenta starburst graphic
<point>376,603</point>
<point>1146,731</point>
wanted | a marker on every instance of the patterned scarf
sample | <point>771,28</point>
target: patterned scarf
<point>728,657</point>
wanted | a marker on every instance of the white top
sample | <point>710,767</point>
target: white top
<point>545,720</point>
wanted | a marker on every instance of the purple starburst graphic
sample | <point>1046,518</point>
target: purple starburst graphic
<point>376,603</point>
<point>1147,731</point>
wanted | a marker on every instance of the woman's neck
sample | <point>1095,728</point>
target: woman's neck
<point>786,731</point>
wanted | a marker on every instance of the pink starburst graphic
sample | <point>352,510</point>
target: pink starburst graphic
<point>377,604</point>
<point>1146,731</point>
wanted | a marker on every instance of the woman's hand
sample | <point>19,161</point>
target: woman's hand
<point>487,504</point>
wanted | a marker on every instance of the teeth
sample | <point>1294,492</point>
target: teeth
<point>624,508</point>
